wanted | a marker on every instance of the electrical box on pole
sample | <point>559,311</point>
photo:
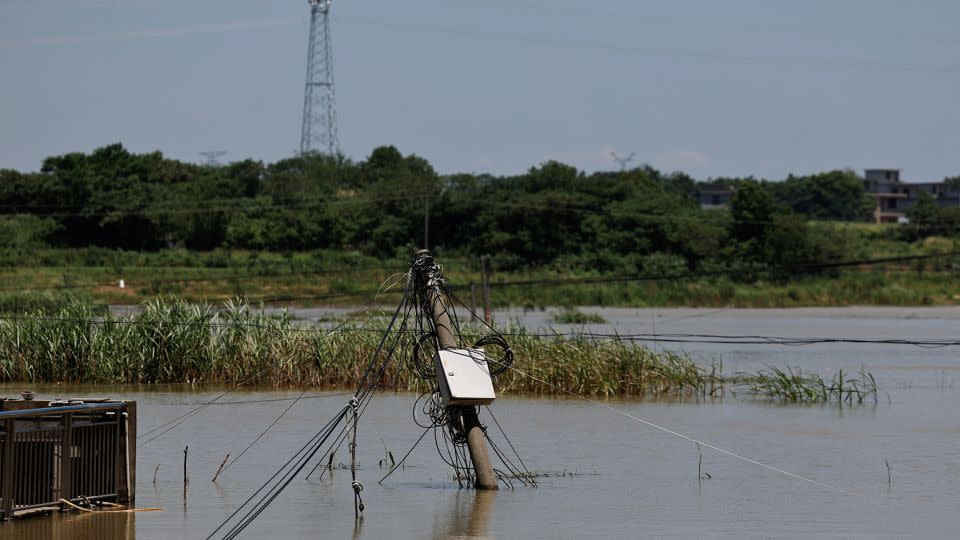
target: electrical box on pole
<point>464,377</point>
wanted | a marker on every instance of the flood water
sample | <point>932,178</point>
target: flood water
<point>606,475</point>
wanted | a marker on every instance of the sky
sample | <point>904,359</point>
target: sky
<point>714,88</point>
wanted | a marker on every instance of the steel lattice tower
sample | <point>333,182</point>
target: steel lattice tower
<point>319,131</point>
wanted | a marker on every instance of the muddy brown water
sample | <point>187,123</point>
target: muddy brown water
<point>606,475</point>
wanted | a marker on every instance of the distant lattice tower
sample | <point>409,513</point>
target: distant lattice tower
<point>213,158</point>
<point>319,131</point>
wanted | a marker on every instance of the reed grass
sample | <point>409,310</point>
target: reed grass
<point>173,341</point>
<point>791,385</point>
<point>575,316</point>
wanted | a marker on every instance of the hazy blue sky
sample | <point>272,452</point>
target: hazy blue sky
<point>711,87</point>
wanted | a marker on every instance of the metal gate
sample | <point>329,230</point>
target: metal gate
<point>71,452</point>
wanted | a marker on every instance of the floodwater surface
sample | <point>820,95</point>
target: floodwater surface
<point>602,474</point>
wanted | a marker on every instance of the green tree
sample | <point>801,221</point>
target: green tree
<point>751,210</point>
<point>835,194</point>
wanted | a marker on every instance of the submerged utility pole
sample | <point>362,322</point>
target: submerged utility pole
<point>465,416</point>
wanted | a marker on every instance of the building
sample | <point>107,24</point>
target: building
<point>893,197</point>
<point>715,196</point>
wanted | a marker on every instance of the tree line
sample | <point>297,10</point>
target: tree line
<point>639,220</point>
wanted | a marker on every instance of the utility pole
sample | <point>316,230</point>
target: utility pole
<point>426,217</point>
<point>476,440</point>
<point>426,223</point>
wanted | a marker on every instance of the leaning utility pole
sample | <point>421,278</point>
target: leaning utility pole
<point>476,441</point>
<point>319,129</point>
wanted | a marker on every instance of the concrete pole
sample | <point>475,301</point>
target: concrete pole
<point>476,442</point>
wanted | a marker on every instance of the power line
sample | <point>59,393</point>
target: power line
<point>267,400</point>
<point>178,421</point>
<point>739,339</point>
<point>718,339</point>
<point>271,489</point>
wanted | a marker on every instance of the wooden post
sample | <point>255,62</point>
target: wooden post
<point>473,297</point>
<point>476,442</point>
<point>485,285</point>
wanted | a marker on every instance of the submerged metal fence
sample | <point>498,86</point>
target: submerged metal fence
<point>51,451</point>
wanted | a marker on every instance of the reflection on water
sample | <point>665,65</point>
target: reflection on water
<point>357,528</point>
<point>71,526</point>
<point>468,515</point>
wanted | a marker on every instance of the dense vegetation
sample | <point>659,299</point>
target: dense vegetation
<point>312,227</point>
<point>552,215</point>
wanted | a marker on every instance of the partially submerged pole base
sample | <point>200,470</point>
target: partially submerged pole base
<point>479,455</point>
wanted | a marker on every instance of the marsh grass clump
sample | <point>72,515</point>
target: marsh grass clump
<point>173,341</point>
<point>575,316</point>
<point>559,365</point>
<point>791,385</point>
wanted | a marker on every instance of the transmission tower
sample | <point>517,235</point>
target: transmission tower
<point>623,161</point>
<point>319,131</point>
<point>213,158</point>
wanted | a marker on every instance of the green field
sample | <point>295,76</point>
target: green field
<point>329,277</point>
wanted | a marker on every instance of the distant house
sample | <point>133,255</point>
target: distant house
<point>714,196</point>
<point>894,197</point>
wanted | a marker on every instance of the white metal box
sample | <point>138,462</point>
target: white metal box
<point>464,377</point>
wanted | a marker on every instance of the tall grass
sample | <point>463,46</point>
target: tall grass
<point>173,341</point>
<point>574,316</point>
<point>32,302</point>
<point>798,386</point>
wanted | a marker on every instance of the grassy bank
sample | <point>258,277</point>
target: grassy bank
<point>870,288</point>
<point>895,287</point>
<point>344,278</point>
<point>172,341</point>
